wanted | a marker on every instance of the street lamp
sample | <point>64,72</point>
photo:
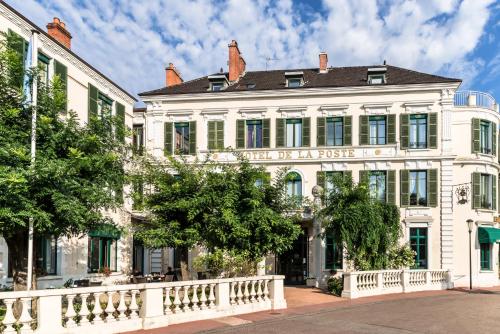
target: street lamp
<point>469,225</point>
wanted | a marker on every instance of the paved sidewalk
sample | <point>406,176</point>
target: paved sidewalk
<point>310,310</point>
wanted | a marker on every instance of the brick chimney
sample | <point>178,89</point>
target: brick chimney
<point>57,29</point>
<point>323,62</point>
<point>172,77</point>
<point>237,64</point>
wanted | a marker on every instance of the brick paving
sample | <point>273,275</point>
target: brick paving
<point>453,311</point>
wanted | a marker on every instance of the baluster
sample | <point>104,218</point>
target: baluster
<point>9,320</point>
<point>259,291</point>
<point>232,294</point>
<point>70,312</point>
<point>266,289</point>
<point>195,299</point>
<point>122,307</point>
<point>177,300</point>
<point>185,299</point>
<point>252,291</point>
<point>167,302</point>
<point>203,298</point>
<point>239,294</point>
<point>97,310</point>
<point>211,296</point>
<point>133,307</point>
<point>84,310</point>
<point>246,293</point>
<point>25,319</point>
<point>110,308</point>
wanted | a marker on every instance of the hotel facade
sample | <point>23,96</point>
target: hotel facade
<point>416,139</point>
<point>88,91</point>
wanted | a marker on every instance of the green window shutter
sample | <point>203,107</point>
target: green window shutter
<point>391,129</point>
<point>405,187</point>
<point>219,127</point>
<point>494,131</point>
<point>62,72</point>
<point>364,176</point>
<point>433,130</point>
<point>120,127</point>
<point>93,97</point>
<point>364,130</point>
<point>168,138</point>
<point>306,132</point>
<point>211,135</point>
<point>404,131</point>
<point>494,192</point>
<point>432,187</point>
<point>476,190</point>
<point>280,132</point>
<point>321,131</point>
<point>475,134</point>
<point>240,133</point>
<point>266,133</point>
<point>192,137</point>
<point>391,187</point>
<point>321,179</point>
<point>347,123</point>
<point>347,173</point>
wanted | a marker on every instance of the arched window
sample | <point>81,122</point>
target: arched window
<point>294,185</point>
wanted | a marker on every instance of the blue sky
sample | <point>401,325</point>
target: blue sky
<point>132,41</point>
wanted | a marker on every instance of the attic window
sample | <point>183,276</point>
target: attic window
<point>250,86</point>
<point>217,82</point>
<point>294,79</point>
<point>376,75</point>
<point>217,86</point>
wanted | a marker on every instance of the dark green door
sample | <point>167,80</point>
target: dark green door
<point>293,264</point>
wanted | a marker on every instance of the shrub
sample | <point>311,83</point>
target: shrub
<point>335,285</point>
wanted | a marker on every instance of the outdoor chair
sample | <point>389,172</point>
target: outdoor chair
<point>169,278</point>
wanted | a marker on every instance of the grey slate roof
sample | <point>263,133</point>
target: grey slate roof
<point>336,77</point>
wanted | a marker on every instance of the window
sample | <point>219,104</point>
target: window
<point>104,105</point>
<point>377,184</point>
<point>333,254</point>
<point>43,67</point>
<point>46,259</point>
<point>102,254</point>
<point>486,191</point>
<point>418,243</point>
<point>334,131</point>
<point>485,254</point>
<point>254,133</point>
<point>418,131</point>
<point>138,139</point>
<point>486,137</point>
<point>418,188</point>
<point>294,185</point>
<point>138,259</point>
<point>294,82</point>
<point>330,176</point>
<point>376,79</point>
<point>217,86</point>
<point>377,130</point>
<point>293,132</point>
<point>182,138</point>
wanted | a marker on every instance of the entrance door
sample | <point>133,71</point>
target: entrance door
<point>293,264</point>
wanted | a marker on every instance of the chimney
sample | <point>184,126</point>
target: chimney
<point>237,64</point>
<point>57,30</point>
<point>172,76</point>
<point>323,62</point>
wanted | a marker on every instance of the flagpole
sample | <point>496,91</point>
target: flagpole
<point>34,97</point>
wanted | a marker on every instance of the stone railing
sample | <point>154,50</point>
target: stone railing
<point>122,308</point>
<point>372,283</point>
<point>468,98</point>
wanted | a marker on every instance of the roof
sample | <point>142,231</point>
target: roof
<point>335,77</point>
<point>65,48</point>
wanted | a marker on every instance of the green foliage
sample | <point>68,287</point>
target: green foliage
<point>216,206</point>
<point>401,257</point>
<point>220,264</point>
<point>335,285</point>
<point>367,228</point>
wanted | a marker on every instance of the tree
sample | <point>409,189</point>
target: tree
<point>232,207</point>
<point>78,172</point>
<point>368,229</point>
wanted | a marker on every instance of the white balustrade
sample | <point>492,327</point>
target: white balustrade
<point>371,283</point>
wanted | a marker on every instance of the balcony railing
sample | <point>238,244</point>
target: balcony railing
<point>475,99</point>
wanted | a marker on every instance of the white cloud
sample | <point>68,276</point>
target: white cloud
<point>132,41</point>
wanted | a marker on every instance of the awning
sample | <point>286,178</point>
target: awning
<point>105,231</point>
<point>488,235</point>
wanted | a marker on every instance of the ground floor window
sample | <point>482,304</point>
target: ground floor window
<point>46,255</point>
<point>138,259</point>
<point>418,242</point>
<point>102,254</point>
<point>485,250</point>
<point>333,254</point>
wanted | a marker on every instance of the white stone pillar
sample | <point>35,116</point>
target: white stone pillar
<point>222,296</point>
<point>49,315</point>
<point>350,285</point>
<point>277,292</point>
<point>152,308</point>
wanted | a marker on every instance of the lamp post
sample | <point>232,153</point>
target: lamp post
<point>469,225</point>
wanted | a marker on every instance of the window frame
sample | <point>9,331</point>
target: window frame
<point>335,121</point>
<point>296,138</point>
<point>417,183</point>
<point>485,257</point>
<point>255,123</point>
<point>485,140</point>
<point>416,122</point>
<point>377,174</point>
<point>219,84</point>
<point>104,260</point>
<point>299,82</point>
<point>337,255</point>
<point>44,62</point>
<point>295,183</point>
<point>377,138</point>
<point>183,148</point>
<point>41,244</point>
<point>138,138</point>
<point>373,77</point>
<point>418,237</point>
<point>486,194</point>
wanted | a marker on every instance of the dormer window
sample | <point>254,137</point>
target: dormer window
<point>376,75</point>
<point>294,79</point>
<point>217,82</point>
<point>217,86</point>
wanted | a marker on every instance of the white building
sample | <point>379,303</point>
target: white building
<point>88,91</point>
<point>422,145</point>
